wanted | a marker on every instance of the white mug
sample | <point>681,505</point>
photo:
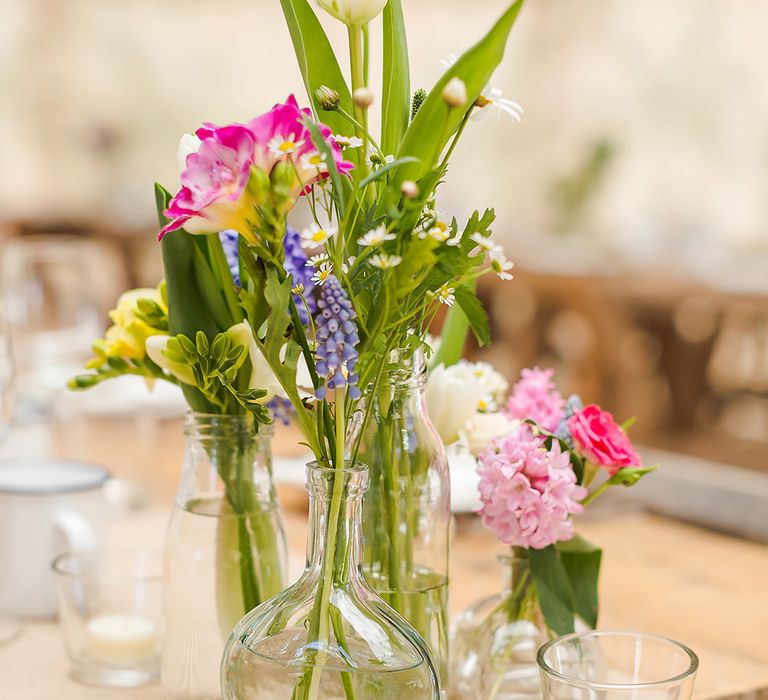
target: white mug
<point>47,507</point>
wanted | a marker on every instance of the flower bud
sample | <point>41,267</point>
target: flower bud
<point>410,189</point>
<point>455,93</point>
<point>363,97</point>
<point>353,13</point>
<point>327,98</point>
<point>419,98</point>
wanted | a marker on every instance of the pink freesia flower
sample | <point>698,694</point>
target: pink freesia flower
<point>215,197</point>
<point>601,440</point>
<point>528,493</point>
<point>535,397</point>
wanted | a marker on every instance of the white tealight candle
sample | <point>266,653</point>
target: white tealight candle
<point>121,639</point>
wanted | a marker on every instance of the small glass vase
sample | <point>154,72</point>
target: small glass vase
<point>495,640</point>
<point>225,550</point>
<point>407,510</point>
<point>329,636</point>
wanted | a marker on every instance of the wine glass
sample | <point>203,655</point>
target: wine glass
<point>9,626</point>
<point>50,292</point>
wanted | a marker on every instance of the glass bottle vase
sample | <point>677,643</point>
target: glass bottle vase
<point>329,636</point>
<point>495,640</point>
<point>407,510</point>
<point>225,549</point>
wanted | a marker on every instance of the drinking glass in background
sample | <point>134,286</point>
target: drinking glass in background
<point>48,286</point>
<point>9,626</point>
<point>110,615</point>
<point>617,666</point>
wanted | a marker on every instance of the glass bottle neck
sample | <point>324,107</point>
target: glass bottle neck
<point>222,452</point>
<point>335,521</point>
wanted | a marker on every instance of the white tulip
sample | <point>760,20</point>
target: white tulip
<point>188,145</point>
<point>483,428</point>
<point>354,13</point>
<point>453,397</point>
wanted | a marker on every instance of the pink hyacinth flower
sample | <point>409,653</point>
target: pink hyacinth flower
<point>535,397</point>
<point>528,493</point>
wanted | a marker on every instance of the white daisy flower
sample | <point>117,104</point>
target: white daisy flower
<point>384,261</point>
<point>317,260</point>
<point>315,236</point>
<point>440,231</point>
<point>375,237</point>
<point>348,141</point>
<point>322,274</point>
<point>314,161</point>
<point>501,264</point>
<point>446,295</point>
<point>485,242</point>
<point>493,97</point>
<point>492,383</point>
<point>348,264</point>
<point>284,146</point>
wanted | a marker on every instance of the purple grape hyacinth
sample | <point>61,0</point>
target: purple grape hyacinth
<point>296,265</point>
<point>230,242</point>
<point>337,339</point>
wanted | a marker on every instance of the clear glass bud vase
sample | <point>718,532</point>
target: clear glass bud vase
<point>329,636</point>
<point>225,550</point>
<point>495,640</point>
<point>407,510</point>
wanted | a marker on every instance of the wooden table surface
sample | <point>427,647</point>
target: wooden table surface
<point>707,590</point>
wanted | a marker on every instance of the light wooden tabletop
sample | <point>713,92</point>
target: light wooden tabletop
<point>706,590</point>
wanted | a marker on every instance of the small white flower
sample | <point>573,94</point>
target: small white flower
<point>446,295</point>
<point>440,231</point>
<point>493,384</point>
<point>354,13</point>
<point>375,237</point>
<point>501,264</point>
<point>314,161</point>
<point>315,236</point>
<point>384,261</point>
<point>493,97</point>
<point>284,146</point>
<point>485,242</point>
<point>322,274</point>
<point>346,265</point>
<point>316,260</point>
<point>348,141</point>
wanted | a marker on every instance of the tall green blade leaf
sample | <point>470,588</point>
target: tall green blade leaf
<point>553,588</point>
<point>435,120</point>
<point>396,92</point>
<point>475,314</point>
<point>581,560</point>
<point>187,311</point>
<point>317,61</point>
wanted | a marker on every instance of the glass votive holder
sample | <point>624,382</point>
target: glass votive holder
<point>616,666</point>
<point>110,615</point>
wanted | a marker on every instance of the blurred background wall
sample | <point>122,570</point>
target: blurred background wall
<point>632,196</point>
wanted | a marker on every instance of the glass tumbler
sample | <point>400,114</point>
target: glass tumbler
<point>110,615</point>
<point>616,666</point>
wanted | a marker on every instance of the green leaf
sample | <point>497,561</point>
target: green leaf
<point>396,89</point>
<point>317,61</point>
<point>629,476</point>
<point>581,560</point>
<point>435,122</point>
<point>553,588</point>
<point>384,169</point>
<point>336,179</point>
<point>475,313</point>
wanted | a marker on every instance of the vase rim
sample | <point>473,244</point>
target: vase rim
<point>195,418</point>
<point>693,659</point>
<point>355,475</point>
